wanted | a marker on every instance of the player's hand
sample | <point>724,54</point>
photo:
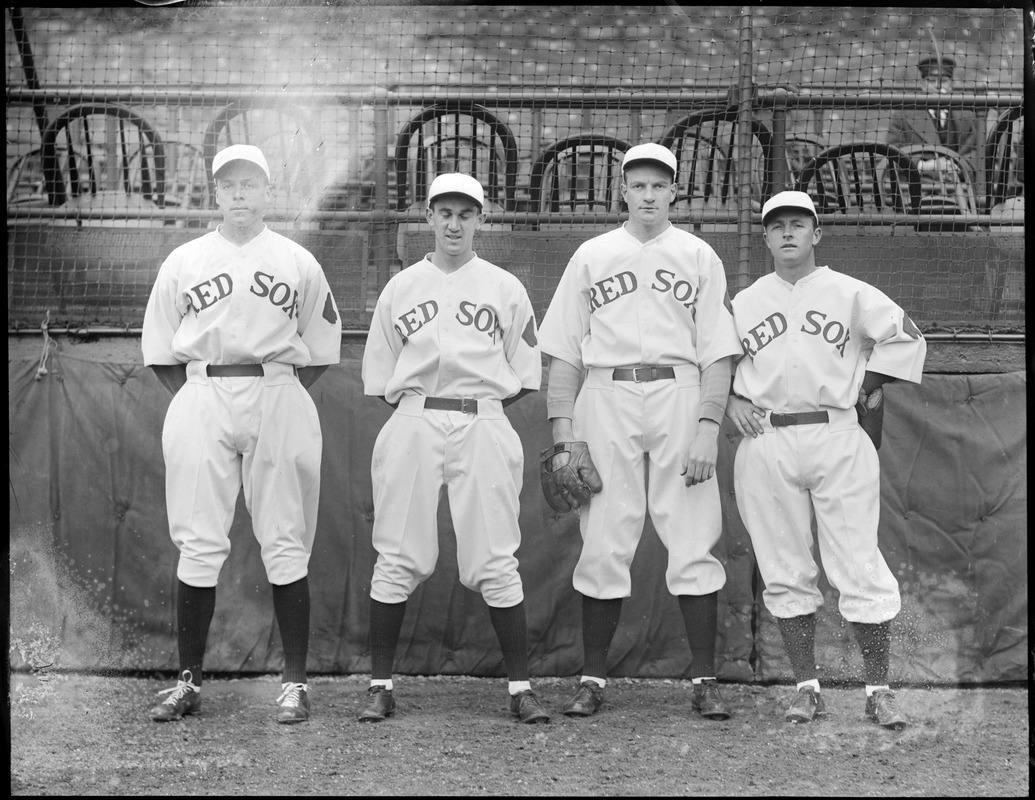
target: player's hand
<point>745,415</point>
<point>699,461</point>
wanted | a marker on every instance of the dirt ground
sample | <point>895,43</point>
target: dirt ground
<point>75,734</point>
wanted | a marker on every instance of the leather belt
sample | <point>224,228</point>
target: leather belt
<point>234,370</point>
<point>643,373</point>
<point>801,418</point>
<point>465,404</point>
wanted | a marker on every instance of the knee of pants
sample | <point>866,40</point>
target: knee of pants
<point>602,578</point>
<point>881,607</point>
<point>394,581</point>
<point>284,570</point>
<point>501,592</point>
<point>202,573</point>
<point>286,558</point>
<point>697,578</point>
<point>786,602</point>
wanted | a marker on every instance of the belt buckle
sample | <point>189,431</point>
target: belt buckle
<point>468,405</point>
<point>636,374</point>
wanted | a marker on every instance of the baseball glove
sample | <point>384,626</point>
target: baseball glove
<point>870,409</point>
<point>568,476</point>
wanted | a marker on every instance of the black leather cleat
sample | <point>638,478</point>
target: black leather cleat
<point>184,698</point>
<point>527,708</point>
<point>381,704</point>
<point>294,703</point>
<point>707,700</point>
<point>882,708</point>
<point>807,704</point>
<point>587,700</point>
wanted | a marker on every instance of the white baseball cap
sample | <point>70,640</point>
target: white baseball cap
<point>650,152</point>
<point>240,152</point>
<point>457,183</point>
<point>789,199</point>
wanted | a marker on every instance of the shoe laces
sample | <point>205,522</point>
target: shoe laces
<point>179,691</point>
<point>710,689</point>
<point>292,694</point>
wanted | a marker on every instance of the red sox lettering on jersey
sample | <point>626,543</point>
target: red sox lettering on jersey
<point>264,284</point>
<point>833,332</point>
<point>614,287</point>
<point>808,344</point>
<point>470,314</point>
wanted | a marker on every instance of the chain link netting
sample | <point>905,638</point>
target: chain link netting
<point>114,116</point>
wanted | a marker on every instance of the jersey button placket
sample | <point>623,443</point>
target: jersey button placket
<point>643,307</point>
<point>237,298</point>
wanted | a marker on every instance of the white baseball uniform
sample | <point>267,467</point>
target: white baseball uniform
<point>622,302</point>
<point>465,335</point>
<point>807,346</point>
<point>269,303</point>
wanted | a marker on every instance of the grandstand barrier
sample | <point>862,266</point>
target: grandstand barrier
<point>83,276</point>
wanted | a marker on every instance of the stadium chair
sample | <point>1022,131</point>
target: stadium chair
<point>704,143</point>
<point>25,182</point>
<point>862,177</point>
<point>1004,170</point>
<point>86,160</point>
<point>797,152</point>
<point>579,173</point>
<point>452,137</point>
<point>186,184</point>
<point>292,144</point>
<point>946,185</point>
<point>455,137</point>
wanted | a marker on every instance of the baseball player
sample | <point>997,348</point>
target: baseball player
<point>240,322</point>
<point>452,341</point>
<point>643,311</point>
<point>818,346</point>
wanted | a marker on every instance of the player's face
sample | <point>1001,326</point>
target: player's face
<point>243,194</point>
<point>791,237</point>
<point>454,219</point>
<point>648,191</point>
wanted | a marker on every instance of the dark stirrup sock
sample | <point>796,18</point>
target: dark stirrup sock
<point>599,623</point>
<point>386,621</point>
<point>291,606</point>
<point>194,608</point>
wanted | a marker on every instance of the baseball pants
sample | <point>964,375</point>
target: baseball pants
<point>637,431</point>
<point>830,471</point>
<point>259,433</point>
<point>479,458</point>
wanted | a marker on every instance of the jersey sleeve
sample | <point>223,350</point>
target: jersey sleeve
<point>899,349</point>
<point>382,350</point>
<point>567,319</point>
<point>521,340</point>
<point>716,330</point>
<point>319,323</point>
<point>165,308</point>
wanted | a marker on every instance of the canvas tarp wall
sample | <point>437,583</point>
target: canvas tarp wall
<point>93,569</point>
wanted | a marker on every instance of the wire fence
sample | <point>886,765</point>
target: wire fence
<point>114,116</point>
